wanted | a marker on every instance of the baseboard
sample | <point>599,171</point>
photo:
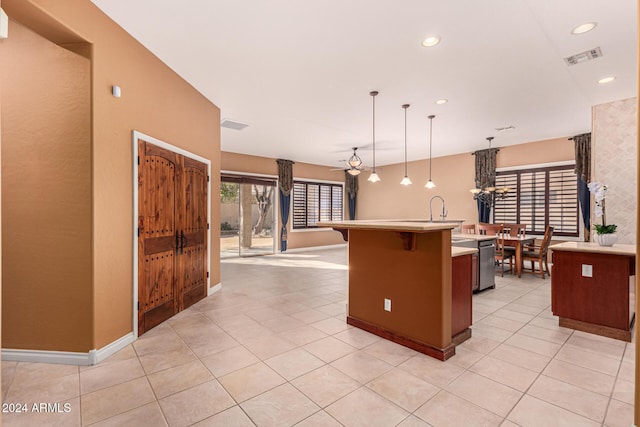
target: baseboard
<point>68,357</point>
<point>213,289</point>
<point>313,248</point>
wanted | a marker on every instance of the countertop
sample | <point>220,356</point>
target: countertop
<point>400,225</point>
<point>457,251</point>
<point>617,249</point>
<point>476,237</point>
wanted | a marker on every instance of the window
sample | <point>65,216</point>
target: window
<point>315,201</point>
<point>540,197</point>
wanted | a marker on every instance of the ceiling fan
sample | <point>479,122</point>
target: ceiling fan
<point>354,165</point>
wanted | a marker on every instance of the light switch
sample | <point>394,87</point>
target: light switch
<point>587,270</point>
<point>387,304</point>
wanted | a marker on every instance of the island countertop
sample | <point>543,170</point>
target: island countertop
<point>409,226</point>
<point>617,249</point>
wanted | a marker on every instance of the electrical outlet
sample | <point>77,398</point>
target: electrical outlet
<point>387,304</point>
<point>587,270</point>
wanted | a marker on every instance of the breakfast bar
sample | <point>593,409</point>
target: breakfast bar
<point>400,283</point>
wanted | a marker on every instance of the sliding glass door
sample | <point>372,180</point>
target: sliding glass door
<point>247,217</point>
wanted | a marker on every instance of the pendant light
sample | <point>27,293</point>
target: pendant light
<point>374,176</point>
<point>405,180</point>
<point>430,183</point>
<point>354,163</point>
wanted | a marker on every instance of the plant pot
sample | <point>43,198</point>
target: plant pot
<point>606,239</point>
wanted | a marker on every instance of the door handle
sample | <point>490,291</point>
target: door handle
<point>183,242</point>
<point>177,242</point>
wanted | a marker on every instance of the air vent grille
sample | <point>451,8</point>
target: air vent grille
<point>587,55</point>
<point>232,124</point>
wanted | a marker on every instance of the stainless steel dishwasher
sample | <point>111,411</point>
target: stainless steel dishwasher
<point>487,264</point>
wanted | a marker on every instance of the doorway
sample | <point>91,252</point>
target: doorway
<point>172,236</point>
<point>247,215</point>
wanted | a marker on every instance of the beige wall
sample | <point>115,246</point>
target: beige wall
<point>46,174</point>
<point>267,166</point>
<point>614,158</point>
<point>453,176</point>
<point>154,101</point>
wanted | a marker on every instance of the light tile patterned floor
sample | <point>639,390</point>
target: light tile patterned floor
<point>272,349</point>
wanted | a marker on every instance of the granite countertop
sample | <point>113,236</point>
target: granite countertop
<point>400,225</point>
<point>617,249</point>
<point>457,251</point>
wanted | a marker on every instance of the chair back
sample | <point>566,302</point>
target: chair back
<point>516,230</point>
<point>468,228</point>
<point>494,230</point>
<point>546,241</point>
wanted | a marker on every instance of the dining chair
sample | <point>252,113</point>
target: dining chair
<point>518,230</point>
<point>502,253</point>
<point>468,228</point>
<point>538,254</point>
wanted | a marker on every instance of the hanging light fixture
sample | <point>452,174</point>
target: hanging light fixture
<point>488,194</point>
<point>430,183</point>
<point>354,163</point>
<point>374,176</point>
<point>405,180</point>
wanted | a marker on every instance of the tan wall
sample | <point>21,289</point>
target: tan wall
<point>614,158</point>
<point>46,174</point>
<point>266,166</point>
<point>453,176</point>
<point>154,101</point>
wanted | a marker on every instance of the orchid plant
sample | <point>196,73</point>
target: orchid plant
<point>599,192</point>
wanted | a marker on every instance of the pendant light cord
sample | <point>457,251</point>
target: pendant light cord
<point>373,94</point>
<point>430,142</point>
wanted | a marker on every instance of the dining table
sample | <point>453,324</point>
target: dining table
<point>518,242</point>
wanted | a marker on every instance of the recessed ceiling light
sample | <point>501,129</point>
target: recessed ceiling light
<point>584,28</point>
<point>442,101</point>
<point>606,80</point>
<point>431,41</point>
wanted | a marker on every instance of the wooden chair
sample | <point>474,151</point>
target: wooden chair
<point>502,253</point>
<point>468,228</point>
<point>516,229</point>
<point>538,254</point>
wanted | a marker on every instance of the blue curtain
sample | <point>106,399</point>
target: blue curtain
<point>352,207</point>
<point>285,203</point>
<point>583,171</point>
<point>585,203</point>
<point>483,211</point>
<point>285,185</point>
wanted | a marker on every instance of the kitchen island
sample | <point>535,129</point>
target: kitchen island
<point>400,283</point>
<point>593,288</point>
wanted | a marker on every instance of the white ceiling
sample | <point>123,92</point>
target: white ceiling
<point>299,72</point>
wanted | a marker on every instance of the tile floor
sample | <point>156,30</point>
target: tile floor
<point>272,349</point>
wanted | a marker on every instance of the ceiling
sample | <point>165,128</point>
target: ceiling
<point>299,73</point>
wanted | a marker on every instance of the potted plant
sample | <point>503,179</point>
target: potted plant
<point>605,233</point>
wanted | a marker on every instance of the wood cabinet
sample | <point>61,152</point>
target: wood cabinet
<point>464,268</point>
<point>592,288</point>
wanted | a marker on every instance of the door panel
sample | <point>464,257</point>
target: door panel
<point>172,221</point>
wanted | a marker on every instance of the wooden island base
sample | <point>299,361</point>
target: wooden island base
<point>605,331</point>
<point>438,353</point>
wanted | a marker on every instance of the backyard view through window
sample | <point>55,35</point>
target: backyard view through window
<point>315,201</point>
<point>540,197</point>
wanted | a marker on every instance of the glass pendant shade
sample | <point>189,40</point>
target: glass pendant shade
<point>373,177</point>
<point>430,184</point>
<point>406,181</point>
<point>354,172</point>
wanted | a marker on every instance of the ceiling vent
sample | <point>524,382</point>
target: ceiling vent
<point>232,124</point>
<point>506,128</point>
<point>587,55</point>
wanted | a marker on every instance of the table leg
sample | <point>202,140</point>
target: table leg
<point>519,259</point>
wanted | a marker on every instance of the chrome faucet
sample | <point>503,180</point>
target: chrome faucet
<point>444,212</point>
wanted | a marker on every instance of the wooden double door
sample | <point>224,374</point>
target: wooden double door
<point>172,233</point>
